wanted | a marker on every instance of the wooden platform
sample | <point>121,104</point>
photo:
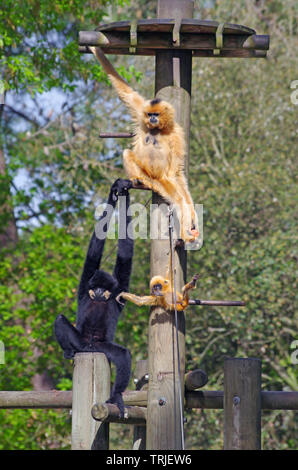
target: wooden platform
<point>204,38</point>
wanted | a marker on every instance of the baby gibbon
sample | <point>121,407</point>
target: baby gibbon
<point>158,155</point>
<point>162,294</point>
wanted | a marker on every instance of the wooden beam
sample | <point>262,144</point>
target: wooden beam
<point>109,413</point>
<point>235,53</point>
<point>204,399</point>
<point>195,379</point>
<point>31,399</point>
<point>57,399</point>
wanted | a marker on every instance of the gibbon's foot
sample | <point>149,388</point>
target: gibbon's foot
<point>189,238</point>
<point>193,282</point>
<point>195,232</point>
<point>117,399</point>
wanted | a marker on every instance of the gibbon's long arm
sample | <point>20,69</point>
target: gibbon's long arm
<point>139,301</point>
<point>96,245</point>
<point>131,98</point>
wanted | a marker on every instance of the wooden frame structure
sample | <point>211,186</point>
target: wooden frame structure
<point>242,401</point>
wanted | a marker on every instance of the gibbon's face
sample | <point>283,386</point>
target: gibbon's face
<point>102,286</point>
<point>158,115</point>
<point>158,286</point>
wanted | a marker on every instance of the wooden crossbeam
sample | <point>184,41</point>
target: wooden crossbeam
<point>236,53</point>
<point>270,400</point>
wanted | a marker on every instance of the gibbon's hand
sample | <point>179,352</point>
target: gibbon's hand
<point>120,188</point>
<point>119,296</point>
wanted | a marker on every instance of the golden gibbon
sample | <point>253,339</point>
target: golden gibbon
<point>162,294</point>
<point>157,157</point>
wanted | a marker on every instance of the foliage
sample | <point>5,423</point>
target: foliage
<point>242,169</point>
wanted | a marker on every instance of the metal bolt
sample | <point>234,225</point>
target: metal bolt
<point>236,400</point>
<point>162,401</point>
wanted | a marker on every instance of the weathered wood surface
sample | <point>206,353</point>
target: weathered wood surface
<point>195,379</point>
<point>55,399</point>
<point>242,404</point>
<point>31,399</point>
<point>163,25</point>
<point>164,428</point>
<point>237,53</point>
<point>189,41</point>
<point>140,375</point>
<point>91,384</point>
<point>109,413</point>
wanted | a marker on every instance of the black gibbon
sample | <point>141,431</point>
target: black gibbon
<point>158,155</point>
<point>98,310</point>
<point>162,294</point>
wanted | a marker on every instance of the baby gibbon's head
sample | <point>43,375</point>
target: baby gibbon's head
<point>158,285</point>
<point>159,114</point>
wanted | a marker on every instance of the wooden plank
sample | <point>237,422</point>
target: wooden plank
<point>238,53</point>
<point>166,25</point>
<point>91,384</point>
<point>191,41</point>
<point>242,404</point>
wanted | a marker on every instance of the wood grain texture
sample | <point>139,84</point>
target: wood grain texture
<point>91,384</point>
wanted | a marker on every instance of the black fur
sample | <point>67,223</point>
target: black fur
<point>97,318</point>
<point>155,101</point>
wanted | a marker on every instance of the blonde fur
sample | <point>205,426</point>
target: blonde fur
<point>157,157</point>
<point>165,299</point>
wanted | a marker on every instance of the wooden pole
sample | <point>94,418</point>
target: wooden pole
<point>139,432</point>
<point>91,384</point>
<point>164,430</point>
<point>242,404</point>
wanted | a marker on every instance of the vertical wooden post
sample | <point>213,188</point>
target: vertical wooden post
<point>164,430</point>
<point>242,404</point>
<point>139,432</point>
<point>91,384</point>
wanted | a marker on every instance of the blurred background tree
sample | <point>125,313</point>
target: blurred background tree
<point>55,171</point>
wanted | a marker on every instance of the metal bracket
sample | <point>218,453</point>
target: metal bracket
<point>133,36</point>
<point>219,39</point>
<point>176,32</point>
